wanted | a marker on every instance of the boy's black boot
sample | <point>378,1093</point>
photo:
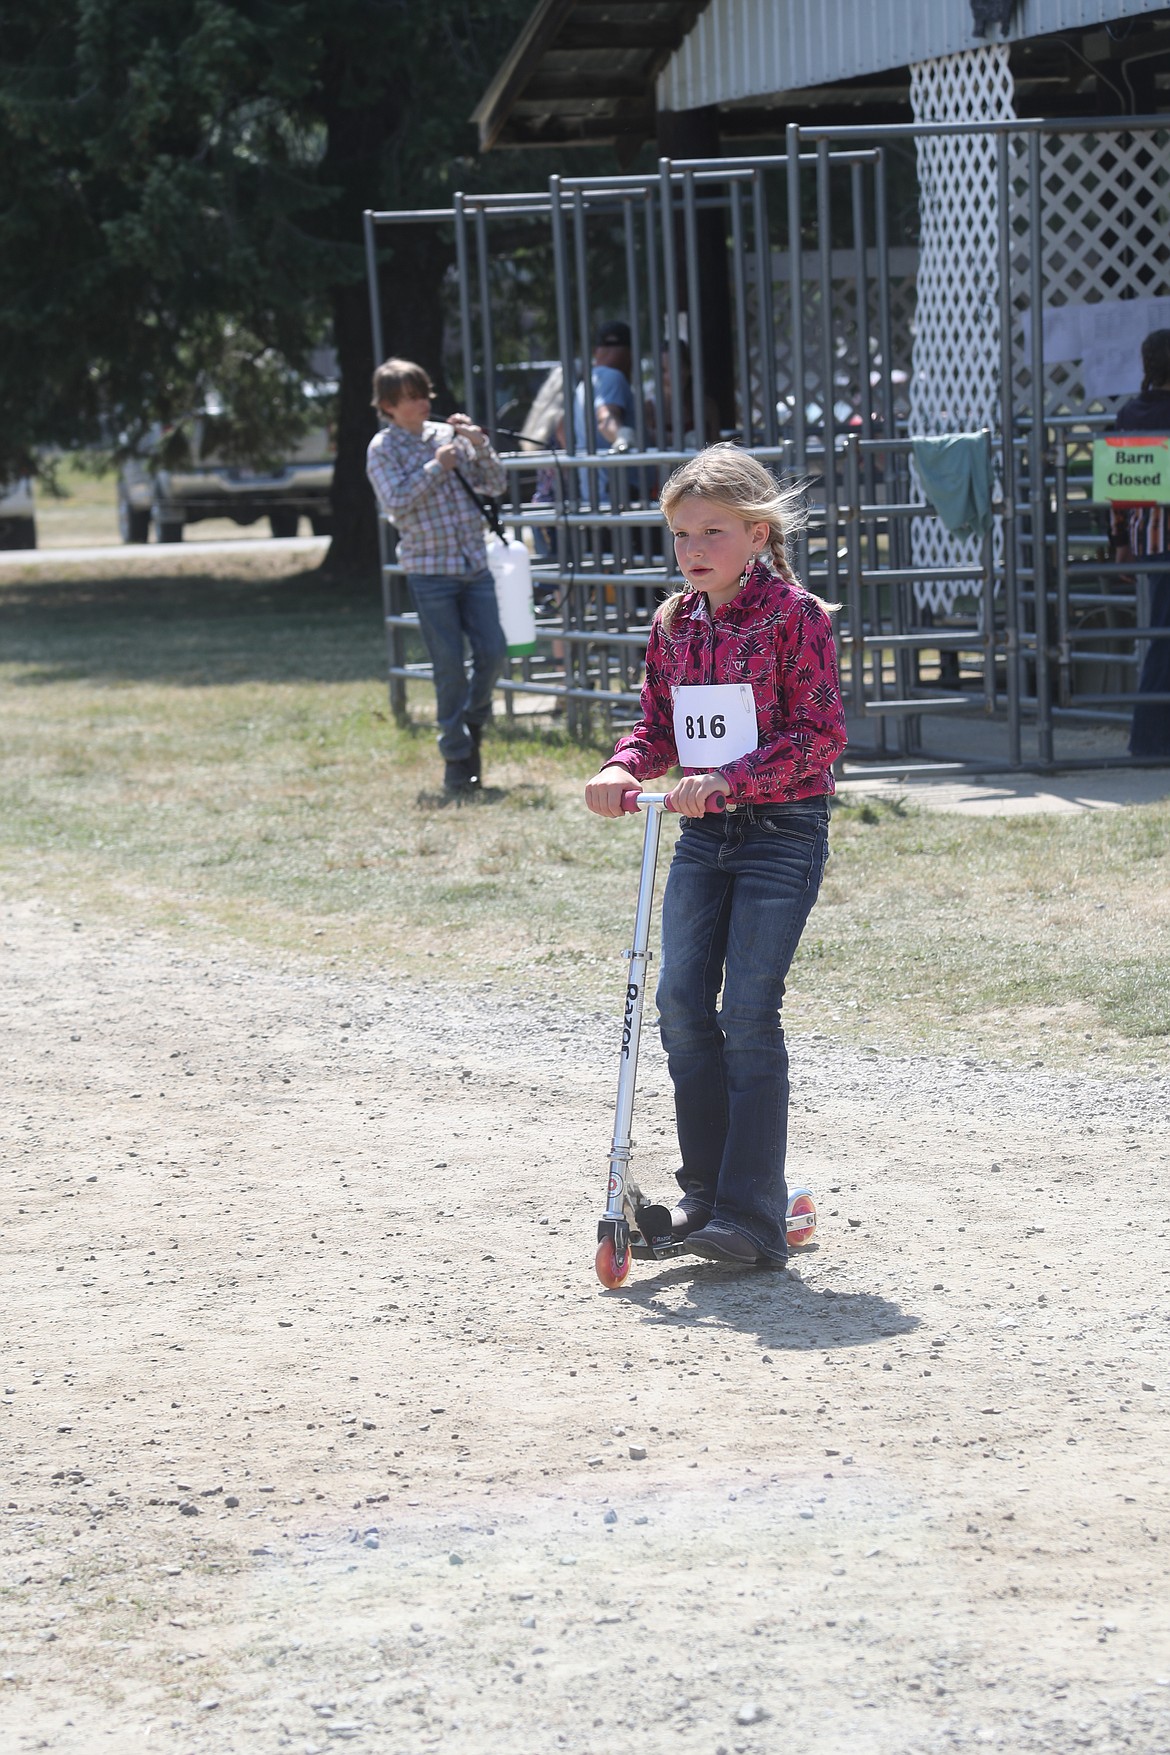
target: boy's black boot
<point>461,776</point>
<point>475,733</point>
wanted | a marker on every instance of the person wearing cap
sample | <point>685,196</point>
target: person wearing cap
<point>613,404</point>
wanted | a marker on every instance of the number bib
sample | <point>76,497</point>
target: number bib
<point>714,723</point>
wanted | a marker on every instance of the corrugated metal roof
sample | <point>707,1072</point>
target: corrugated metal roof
<point>753,48</point>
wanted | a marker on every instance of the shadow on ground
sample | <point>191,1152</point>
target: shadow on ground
<point>785,1314</point>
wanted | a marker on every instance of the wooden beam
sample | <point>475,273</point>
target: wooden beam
<point>491,112</point>
<point>550,86</point>
<point>643,33</point>
<point>560,128</point>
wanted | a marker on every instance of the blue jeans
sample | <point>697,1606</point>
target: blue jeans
<point>1150,732</point>
<point>740,889</point>
<point>450,609</point>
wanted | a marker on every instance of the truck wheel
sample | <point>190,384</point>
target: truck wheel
<point>166,529</point>
<point>18,533</point>
<point>322,523</point>
<point>133,521</point>
<point>284,523</point>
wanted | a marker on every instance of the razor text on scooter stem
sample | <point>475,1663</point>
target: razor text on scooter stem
<point>632,992</point>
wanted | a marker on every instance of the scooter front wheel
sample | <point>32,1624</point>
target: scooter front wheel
<point>612,1270</point>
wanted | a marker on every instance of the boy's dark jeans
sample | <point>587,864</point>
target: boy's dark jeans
<point>453,608</point>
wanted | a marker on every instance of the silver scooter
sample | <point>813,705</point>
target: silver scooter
<point>632,1228</point>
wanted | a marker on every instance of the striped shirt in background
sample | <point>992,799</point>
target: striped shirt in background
<point>440,531</point>
<point>1144,530</point>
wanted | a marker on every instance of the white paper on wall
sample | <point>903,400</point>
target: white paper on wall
<point>1105,336</point>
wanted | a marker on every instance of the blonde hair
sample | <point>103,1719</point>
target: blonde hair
<point>737,481</point>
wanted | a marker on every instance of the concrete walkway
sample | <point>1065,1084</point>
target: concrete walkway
<point>147,557</point>
<point>1000,795</point>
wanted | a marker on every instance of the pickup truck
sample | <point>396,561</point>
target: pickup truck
<point>180,478</point>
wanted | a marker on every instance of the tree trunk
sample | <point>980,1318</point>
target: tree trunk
<point>353,553</point>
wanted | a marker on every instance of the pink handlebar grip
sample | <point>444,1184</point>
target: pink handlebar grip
<point>630,798</point>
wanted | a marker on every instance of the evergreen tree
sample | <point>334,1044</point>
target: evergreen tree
<point>183,185</point>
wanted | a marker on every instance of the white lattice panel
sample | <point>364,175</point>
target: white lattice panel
<point>1105,218</point>
<point>955,383</point>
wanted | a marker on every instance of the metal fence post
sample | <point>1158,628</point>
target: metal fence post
<point>485,325</point>
<point>1038,447</point>
<point>853,539</point>
<point>765,311</point>
<point>743,352</point>
<point>796,282</point>
<point>670,280</point>
<point>828,364</point>
<point>1007,453</point>
<point>463,275</point>
<point>694,314</point>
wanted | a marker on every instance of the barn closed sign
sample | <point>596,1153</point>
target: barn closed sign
<point>1132,471</point>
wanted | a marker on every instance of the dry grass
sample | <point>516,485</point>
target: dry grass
<point>211,754</point>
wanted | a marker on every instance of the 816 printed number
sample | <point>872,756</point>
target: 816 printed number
<point>697,727</point>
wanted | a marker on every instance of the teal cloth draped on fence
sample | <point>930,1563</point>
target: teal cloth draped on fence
<point>955,472</point>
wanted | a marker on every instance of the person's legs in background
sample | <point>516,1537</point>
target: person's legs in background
<point>1150,733</point>
<point>438,599</point>
<point>480,617</point>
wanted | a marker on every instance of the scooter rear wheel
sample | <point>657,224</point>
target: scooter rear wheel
<point>802,1219</point>
<point>612,1271</point>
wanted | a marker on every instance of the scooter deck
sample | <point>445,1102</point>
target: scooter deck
<point>650,1234</point>
<point>653,1252</point>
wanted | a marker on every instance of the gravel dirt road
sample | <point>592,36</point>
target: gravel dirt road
<point>318,1429</point>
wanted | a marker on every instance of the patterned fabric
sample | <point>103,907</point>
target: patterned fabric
<point>1144,530</point>
<point>776,637</point>
<point>440,531</point>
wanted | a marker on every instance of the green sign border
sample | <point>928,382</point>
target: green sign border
<point>1151,483</point>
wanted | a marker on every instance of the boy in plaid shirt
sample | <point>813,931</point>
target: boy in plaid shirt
<point>412,465</point>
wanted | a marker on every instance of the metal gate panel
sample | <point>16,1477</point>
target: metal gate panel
<point>1019,641</point>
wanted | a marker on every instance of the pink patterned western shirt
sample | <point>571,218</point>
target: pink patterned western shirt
<point>775,636</point>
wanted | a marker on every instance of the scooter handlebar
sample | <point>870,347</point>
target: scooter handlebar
<point>632,797</point>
